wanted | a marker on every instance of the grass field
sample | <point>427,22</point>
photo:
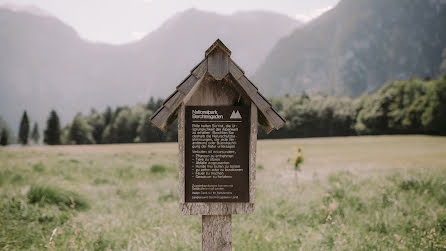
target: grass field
<point>353,193</point>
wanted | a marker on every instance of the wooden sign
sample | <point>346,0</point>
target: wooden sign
<point>218,112</point>
<point>217,153</point>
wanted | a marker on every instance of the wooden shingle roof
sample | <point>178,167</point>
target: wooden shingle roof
<point>218,64</point>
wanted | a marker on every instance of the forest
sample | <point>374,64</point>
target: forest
<point>415,106</point>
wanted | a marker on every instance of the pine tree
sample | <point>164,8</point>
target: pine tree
<point>108,115</point>
<point>24,129</point>
<point>52,132</point>
<point>35,134</point>
<point>147,132</point>
<point>4,137</point>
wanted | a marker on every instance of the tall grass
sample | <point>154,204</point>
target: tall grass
<point>361,193</point>
<point>64,199</point>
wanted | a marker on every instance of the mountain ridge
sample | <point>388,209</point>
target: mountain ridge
<point>356,47</point>
<point>47,65</point>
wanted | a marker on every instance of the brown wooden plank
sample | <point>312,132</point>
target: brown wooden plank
<point>159,119</point>
<point>168,98</point>
<point>275,120</point>
<point>194,89</point>
<point>212,92</point>
<point>174,102</point>
<point>200,69</point>
<point>267,101</point>
<point>267,129</point>
<point>235,70</point>
<point>263,122</point>
<point>247,86</point>
<point>181,157</point>
<point>261,104</point>
<point>252,154</point>
<point>218,64</point>
<point>187,84</point>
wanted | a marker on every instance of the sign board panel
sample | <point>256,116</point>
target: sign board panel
<point>217,153</point>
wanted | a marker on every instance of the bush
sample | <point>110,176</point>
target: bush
<point>56,196</point>
<point>157,168</point>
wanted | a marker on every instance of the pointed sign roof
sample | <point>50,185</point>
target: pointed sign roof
<point>218,64</point>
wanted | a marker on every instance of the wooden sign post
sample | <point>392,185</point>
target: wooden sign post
<point>218,111</point>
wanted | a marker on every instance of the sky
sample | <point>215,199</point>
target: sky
<point>123,21</point>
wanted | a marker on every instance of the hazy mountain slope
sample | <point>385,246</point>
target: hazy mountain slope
<point>357,46</point>
<point>44,64</point>
<point>183,39</point>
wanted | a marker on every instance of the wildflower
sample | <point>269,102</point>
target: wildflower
<point>299,159</point>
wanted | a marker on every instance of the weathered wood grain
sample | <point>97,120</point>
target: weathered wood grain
<point>174,102</point>
<point>270,119</point>
<point>163,116</point>
<point>160,118</point>
<point>276,121</point>
<point>216,208</point>
<point>200,69</point>
<point>212,92</point>
<point>217,80</point>
<point>187,84</point>
<point>218,64</point>
<point>247,86</point>
<point>194,89</point>
<point>236,71</point>
<point>261,104</point>
<point>264,123</point>
<point>215,67</point>
<point>181,157</point>
<point>217,233</point>
<point>252,155</point>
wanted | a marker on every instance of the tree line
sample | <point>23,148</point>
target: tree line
<point>121,125</point>
<point>414,106</point>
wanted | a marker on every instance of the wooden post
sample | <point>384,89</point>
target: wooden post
<point>217,86</point>
<point>216,229</point>
<point>217,232</point>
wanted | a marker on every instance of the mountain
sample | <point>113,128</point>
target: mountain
<point>356,47</point>
<point>31,9</point>
<point>45,65</point>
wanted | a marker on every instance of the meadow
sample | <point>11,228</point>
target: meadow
<point>353,193</point>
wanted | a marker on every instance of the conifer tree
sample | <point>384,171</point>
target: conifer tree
<point>4,137</point>
<point>24,129</point>
<point>35,134</point>
<point>52,131</point>
<point>108,115</point>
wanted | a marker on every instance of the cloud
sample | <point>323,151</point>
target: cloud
<point>310,15</point>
